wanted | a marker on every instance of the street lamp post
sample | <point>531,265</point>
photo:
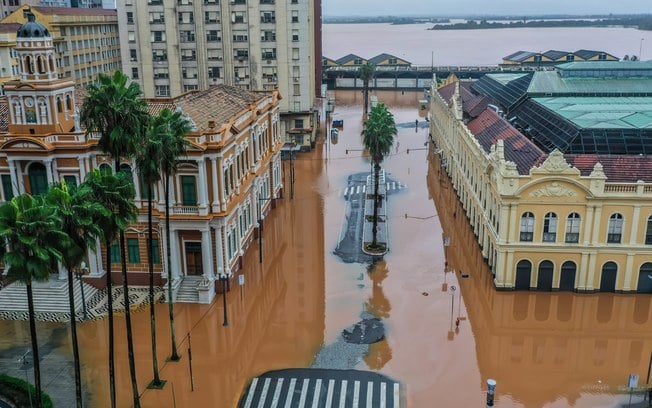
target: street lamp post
<point>224,278</point>
<point>79,273</point>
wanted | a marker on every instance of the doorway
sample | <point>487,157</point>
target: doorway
<point>194,266</point>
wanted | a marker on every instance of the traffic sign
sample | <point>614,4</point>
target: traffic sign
<point>633,381</point>
<point>241,280</point>
<point>452,289</point>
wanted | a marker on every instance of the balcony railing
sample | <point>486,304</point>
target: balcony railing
<point>185,209</point>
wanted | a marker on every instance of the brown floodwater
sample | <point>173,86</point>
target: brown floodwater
<point>543,349</point>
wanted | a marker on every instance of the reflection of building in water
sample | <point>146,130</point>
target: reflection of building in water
<point>542,346</point>
<point>232,171</point>
<point>556,182</point>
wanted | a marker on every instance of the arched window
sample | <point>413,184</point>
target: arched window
<point>615,232</point>
<point>527,227</point>
<point>68,102</point>
<point>608,277</point>
<point>573,228</point>
<point>550,227</point>
<point>648,232</point>
<point>105,169</point>
<point>29,68</point>
<point>51,59</point>
<point>523,272</point>
<point>40,65</point>
<point>59,105</point>
<point>645,278</point>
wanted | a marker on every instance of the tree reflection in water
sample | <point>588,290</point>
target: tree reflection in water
<point>378,304</point>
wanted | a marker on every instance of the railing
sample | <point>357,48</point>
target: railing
<point>65,138</point>
<point>620,188</point>
<point>185,209</point>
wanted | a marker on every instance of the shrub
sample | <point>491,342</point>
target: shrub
<point>16,391</point>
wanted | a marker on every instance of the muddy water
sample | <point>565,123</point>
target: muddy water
<point>543,349</point>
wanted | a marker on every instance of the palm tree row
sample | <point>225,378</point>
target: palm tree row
<point>40,231</point>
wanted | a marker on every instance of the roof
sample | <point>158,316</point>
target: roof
<point>32,28</point>
<point>505,89</point>
<point>347,58</point>
<point>519,56</point>
<point>382,57</point>
<point>605,65</point>
<point>617,168</point>
<point>9,27</point>
<point>556,54</point>
<point>586,54</point>
<point>489,127</point>
<point>74,11</point>
<point>552,83</point>
<point>602,112</point>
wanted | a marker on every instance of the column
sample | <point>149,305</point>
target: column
<point>14,176</point>
<point>63,272</point>
<point>591,273</point>
<point>223,189</point>
<point>55,170</point>
<point>629,269</point>
<point>48,170</point>
<point>583,269</point>
<point>219,246</point>
<point>597,220</point>
<point>82,168</point>
<point>95,260</point>
<point>635,221</point>
<point>514,223</point>
<point>94,161</point>
<point>174,253</point>
<point>207,254</point>
<point>503,227</point>
<point>19,178</point>
<point>588,223</point>
<point>202,184</point>
<point>500,270</point>
<point>134,178</point>
<point>216,197</point>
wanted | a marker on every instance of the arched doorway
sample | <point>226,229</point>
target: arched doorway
<point>38,180</point>
<point>645,278</point>
<point>608,277</point>
<point>567,277</point>
<point>523,271</point>
<point>544,277</point>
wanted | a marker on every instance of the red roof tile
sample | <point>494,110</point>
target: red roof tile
<point>75,11</point>
<point>617,168</point>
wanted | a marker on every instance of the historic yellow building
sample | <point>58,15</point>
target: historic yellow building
<point>554,207</point>
<point>230,178</point>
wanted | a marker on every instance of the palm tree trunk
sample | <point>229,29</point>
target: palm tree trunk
<point>125,295</point>
<point>365,94</point>
<point>73,334</point>
<point>156,382</point>
<point>175,355</point>
<point>32,332</point>
<point>109,289</point>
<point>374,229</point>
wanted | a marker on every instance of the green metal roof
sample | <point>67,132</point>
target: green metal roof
<point>605,65</point>
<point>602,112</point>
<point>551,83</point>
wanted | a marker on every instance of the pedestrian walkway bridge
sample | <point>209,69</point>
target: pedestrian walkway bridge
<point>321,388</point>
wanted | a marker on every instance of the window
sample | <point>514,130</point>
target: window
<point>189,73</point>
<point>648,232</point>
<point>573,228</point>
<point>550,227</point>
<point>241,53</point>
<point>527,227</point>
<point>296,88</point>
<point>240,36</point>
<point>188,88</point>
<point>615,232</point>
<point>188,55</point>
<point>187,36</point>
<point>130,17</point>
<point>357,61</point>
<point>269,53</point>
<point>132,36</point>
<point>161,73</point>
<point>162,90</point>
<point>269,74</point>
<point>133,56</point>
<point>213,72</point>
<point>132,250</point>
<point>537,58</point>
<point>71,181</point>
<point>9,191</point>
<point>38,182</point>
<point>295,35</point>
<point>268,36</point>
<point>602,56</point>
<point>267,17</point>
<point>213,54</point>
<point>298,123</point>
<point>184,2</point>
<point>295,53</point>
<point>159,55</point>
<point>393,61</point>
<point>157,18</point>
<point>158,36</point>
<point>188,190</point>
<point>295,16</point>
<point>238,17</point>
<point>156,254</point>
<point>207,2</point>
<point>570,57</point>
<point>115,253</point>
<point>211,17</point>
<point>186,17</point>
<point>213,35</point>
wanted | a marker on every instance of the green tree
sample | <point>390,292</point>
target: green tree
<point>366,72</point>
<point>77,211</point>
<point>174,145</point>
<point>31,232</point>
<point>378,137</point>
<point>115,192</point>
<point>115,108</point>
<point>147,162</point>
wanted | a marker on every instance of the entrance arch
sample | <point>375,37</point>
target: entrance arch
<point>567,277</point>
<point>645,278</point>
<point>608,277</point>
<point>544,277</point>
<point>523,272</point>
<point>38,180</point>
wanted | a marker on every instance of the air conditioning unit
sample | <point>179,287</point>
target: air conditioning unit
<point>269,61</point>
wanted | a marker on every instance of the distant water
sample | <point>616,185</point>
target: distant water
<point>419,45</point>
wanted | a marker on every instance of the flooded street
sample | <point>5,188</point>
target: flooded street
<point>543,349</point>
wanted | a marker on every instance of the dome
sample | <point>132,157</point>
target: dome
<point>32,29</point>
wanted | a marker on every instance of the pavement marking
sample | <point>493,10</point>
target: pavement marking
<point>387,186</point>
<point>383,394</point>
<point>252,389</point>
<point>263,395</point>
<point>364,188</point>
<point>356,394</point>
<point>304,393</point>
<point>343,394</point>
<point>357,190</point>
<point>396,395</point>
<point>370,394</point>
<point>277,393</point>
<point>329,395</point>
<point>393,185</point>
<point>288,399</point>
<point>315,398</point>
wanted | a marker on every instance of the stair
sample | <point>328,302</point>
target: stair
<point>187,292</point>
<point>49,296</point>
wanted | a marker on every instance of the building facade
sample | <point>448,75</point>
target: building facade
<point>547,220</point>
<point>175,46</point>
<point>86,40</point>
<point>230,178</point>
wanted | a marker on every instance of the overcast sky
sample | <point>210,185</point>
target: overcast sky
<point>494,7</point>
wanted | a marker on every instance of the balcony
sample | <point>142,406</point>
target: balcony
<point>185,209</point>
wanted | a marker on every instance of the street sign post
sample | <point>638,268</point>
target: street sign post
<point>632,382</point>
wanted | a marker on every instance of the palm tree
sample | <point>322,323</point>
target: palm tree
<point>378,137</point>
<point>115,192</point>
<point>31,232</point>
<point>147,162</point>
<point>366,72</point>
<point>174,144</point>
<point>77,211</point>
<point>115,108</point>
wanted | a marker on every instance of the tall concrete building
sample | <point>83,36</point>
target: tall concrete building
<point>175,46</point>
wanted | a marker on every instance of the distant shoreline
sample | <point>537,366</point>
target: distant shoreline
<point>641,23</point>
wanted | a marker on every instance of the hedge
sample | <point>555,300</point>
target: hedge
<point>15,391</point>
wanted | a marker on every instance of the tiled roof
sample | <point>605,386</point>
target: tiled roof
<point>75,11</point>
<point>447,92</point>
<point>586,54</point>
<point>556,54</point>
<point>382,57</point>
<point>519,56</point>
<point>348,58</point>
<point>617,168</point>
<point>489,127</point>
<point>9,27</point>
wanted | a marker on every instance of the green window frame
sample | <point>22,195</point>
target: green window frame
<point>71,181</point>
<point>144,190</point>
<point>133,250</point>
<point>156,254</point>
<point>38,181</point>
<point>188,190</point>
<point>115,253</point>
<point>7,187</point>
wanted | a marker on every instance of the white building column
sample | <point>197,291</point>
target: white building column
<point>202,184</point>
<point>136,181</point>
<point>175,255</point>
<point>82,168</point>
<point>63,272</point>
<point>635,220</point>
<point>14,176</point>
<point>216,197</point>
<point>223,190</point>
<point>219,246</point>
<point>95,259</point>
<point>207,255</point>
<point>19,178</point>
<point>48,171</point>
<point>597,223</point>
<point>628,284</point>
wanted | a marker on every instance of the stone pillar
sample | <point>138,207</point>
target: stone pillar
<point>19,178</point>
<point>207,254</point>
<point>48,170</point>
<point>14,176</point>
<point>514,223</point>
<point>635,221</point>
<point>136,181</point>
<point>501,276</point>
<point>176,260</point>
<point>219,245</point>
<point>503,227</point>
<point>629,271</point>
<point>224,189</point>
<point>583,271</point>
<point>63,272</point>
<point>216,196</point>
<point>55,170</point>
<point>597,221</point>
<point>591,272</point>
<point>588,223</point>
<point>202,184</point>
<point>82,168</point>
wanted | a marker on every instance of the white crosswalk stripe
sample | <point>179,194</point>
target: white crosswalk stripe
<point>343,394</point>
<point>288,400</point>
<point>349,191</point>
<point>370,394</point>
<point>329,393</point>
<point>263,395</point>
<point>304,393</point>
<point>277,393</point>
<point>252,390</point>
<point>315,398</point>
<point>356,394</point>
